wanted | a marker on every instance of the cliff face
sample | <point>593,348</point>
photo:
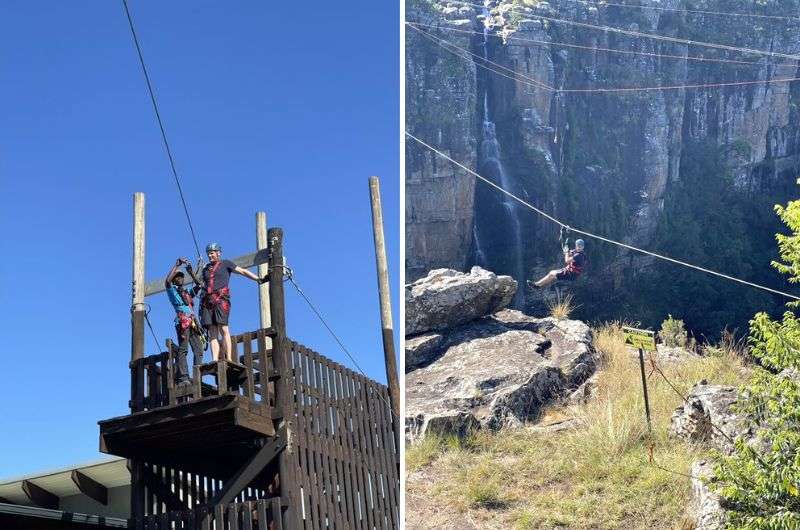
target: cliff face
<point>660,169</point>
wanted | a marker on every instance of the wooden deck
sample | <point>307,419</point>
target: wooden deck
<point>200,435</point>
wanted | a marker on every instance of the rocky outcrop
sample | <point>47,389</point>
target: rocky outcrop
<point>708,416</point>
<point>446,298</point>
<point>497,371</point>
<point>706,508</point>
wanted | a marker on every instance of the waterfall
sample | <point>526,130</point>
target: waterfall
<point>493,167</point>
<point>480,255</point>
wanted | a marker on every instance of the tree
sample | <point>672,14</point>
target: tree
<point>760,481</point>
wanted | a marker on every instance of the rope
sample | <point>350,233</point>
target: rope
<point>337,339</point>
<point>654,36</point>
<point>598,48</point>
<point>161,126</point>
<point>522,78</point>
<point>599,237</point>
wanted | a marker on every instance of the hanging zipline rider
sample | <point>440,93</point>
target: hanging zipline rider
<point>575,261</point>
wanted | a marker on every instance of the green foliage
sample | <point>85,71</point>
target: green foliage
<point>673,333</point>
<point>760,482</point>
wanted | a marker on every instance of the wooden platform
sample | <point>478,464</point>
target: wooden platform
<point>201,435</point>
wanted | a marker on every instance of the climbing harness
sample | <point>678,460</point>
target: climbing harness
<point>216,298</point>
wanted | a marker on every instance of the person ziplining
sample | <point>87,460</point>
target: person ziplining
<point>575,263</point>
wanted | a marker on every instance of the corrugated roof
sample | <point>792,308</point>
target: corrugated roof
<point>110,472</point>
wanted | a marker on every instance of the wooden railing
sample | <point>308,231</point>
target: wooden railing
<point>262,514</point>
<point>153,377</point>
<point>347,459</point>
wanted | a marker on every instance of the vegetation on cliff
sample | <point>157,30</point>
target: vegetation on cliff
<point>760,482</point>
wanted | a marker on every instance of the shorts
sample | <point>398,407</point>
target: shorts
<point>214,315</point>
<point>568,275</point>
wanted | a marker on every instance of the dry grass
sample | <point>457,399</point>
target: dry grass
<point>562,307</point>
<point>596,476</point>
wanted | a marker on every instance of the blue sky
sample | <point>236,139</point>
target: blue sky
<point>286,107</point>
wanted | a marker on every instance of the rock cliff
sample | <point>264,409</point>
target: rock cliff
<point>683,170</point>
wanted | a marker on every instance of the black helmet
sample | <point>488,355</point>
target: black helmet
<point>213,246</point>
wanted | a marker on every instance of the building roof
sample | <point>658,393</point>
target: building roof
<point>109,472</point>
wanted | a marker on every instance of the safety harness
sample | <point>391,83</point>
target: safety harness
<point>218,297</point>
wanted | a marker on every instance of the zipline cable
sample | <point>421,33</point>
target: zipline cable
<point>161,126</point>
<point>540,43</point>
<point>654,36</point>
<point>596,236</point>
<point>522,78</point>
<point>336,338</point>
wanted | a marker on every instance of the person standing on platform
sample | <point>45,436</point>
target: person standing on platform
<point>216,306</point>
<point>187,328</point>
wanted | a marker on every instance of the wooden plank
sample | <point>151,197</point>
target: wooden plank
<point>90,487</point>
<point>248,363</point>
<point>390,458</point>
<point>39,496</point>
<point>222,377</point>
<point>318,493</point>
<point>233,516</point>
<point>219,517</point>
<point>355,483</point>
<point>169,369</point>
<point>264,368</point>
<point>205,518</point>
<point>247,516</point>
<point>335,449</point>
<point>325,446</point>
<point>277,514</point>
<point>247,261</point>
<point>378,468</point>
<point>262,244</point>
<point>343,478</point>
<point>154,481</point>
<point>261,509</point>
<point>363,449</point>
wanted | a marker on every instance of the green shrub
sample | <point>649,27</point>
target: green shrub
<point>760,483</point>
<point>673,333</point>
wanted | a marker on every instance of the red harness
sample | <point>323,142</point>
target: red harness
<point>219,297</point>
<point>573,267</point>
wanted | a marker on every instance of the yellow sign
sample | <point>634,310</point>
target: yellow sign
<point>640,338</point>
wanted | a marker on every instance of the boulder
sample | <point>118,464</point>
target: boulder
<point>497,371</point>
<point>446,298</point>
<point>422,349</point>
<point>708,416</point>
<point>706,507</point>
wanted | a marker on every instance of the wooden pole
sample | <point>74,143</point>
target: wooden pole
<point>137,305</point>
<point>644,390</point>
<point>263,270</point>
<point>136,467</point>
<point>284,400</point>
<point>384,294</point>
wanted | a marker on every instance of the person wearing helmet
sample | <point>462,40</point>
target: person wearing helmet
<point>186,326</point>
<point>575,261</point>
<point>216,306</point>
